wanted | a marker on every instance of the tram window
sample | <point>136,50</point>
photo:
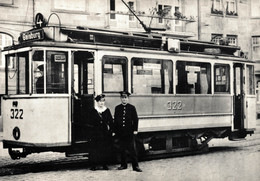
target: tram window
<point>250,80</point>
<point>57,72</point>
<point>76,79</point>
<point>18,74</point>
<point>12,70</point>
<point>90,71</point>
<point>114,73</point>
<point>83,72</point>
<point>38,72</point>
<point>23,75</point>
<point>221,78</point>
<point>152,76</point>
<point>193,78</point>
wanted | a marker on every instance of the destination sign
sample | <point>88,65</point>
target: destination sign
<point>33,35</point>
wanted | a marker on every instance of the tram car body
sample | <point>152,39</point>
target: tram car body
<point>186,92</point>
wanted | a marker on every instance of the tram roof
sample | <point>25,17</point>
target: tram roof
<point>140,40</point>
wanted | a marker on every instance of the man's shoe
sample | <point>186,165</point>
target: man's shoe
<point>137,169</point>
<point>105,167</point>
<point>93,168</point>
<point>122,168</point>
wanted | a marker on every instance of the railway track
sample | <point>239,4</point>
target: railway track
<point>57,162</point>
<point>42,166</point>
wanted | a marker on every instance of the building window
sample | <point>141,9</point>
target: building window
<point>163,11</point>
<point>5,40</point>
<point>152,76</point>
<point>231,7</point>
<point>131,6</point>
<point>67,5</point>
<point>255,8</point>
<point>177,13</point>
<point>256,47</point>
<point>112,9</point>
<point>8,2</point>
<point>216,7</point>
<point>217,38</point>
<point>232,40</point>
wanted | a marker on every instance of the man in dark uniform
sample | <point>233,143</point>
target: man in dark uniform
<point>125,127</point>
<point>40,80</point>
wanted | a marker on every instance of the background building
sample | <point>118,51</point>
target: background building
<point>236,22</point>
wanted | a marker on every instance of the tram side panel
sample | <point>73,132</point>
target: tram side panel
<point>166,113</point>
<point>42,121</point>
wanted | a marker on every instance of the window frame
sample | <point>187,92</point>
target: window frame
<point>17,72</point>
<point>234,38</point>
<point>112,8</point>
<point>162,61</point>
<point>216,38</point>
<point>66,74</point>
<point>5,40</point>
<point>125,77</point>
<point>230,12</point>
<point>7,3</point>
<point>216,8</point>
<point>255,45</point>
<point>221,65</point>
<point>75,10</point>
<point>193,64</point>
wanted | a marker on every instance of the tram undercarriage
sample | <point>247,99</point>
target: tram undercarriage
<point>149,144</point>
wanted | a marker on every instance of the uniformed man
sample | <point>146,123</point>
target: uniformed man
<point>126,126</point>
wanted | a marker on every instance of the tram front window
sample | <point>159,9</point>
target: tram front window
<point>57,72</point>
<point>152,76</point>
<point>193,77</point>
<point>38,72</point>
<point>17,73</point>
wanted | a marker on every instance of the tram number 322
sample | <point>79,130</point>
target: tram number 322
<point>174,105</point>
<point>16,114</point>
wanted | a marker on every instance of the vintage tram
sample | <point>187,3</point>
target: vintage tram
<point>186,92</point>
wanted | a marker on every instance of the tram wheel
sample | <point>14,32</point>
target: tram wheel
<point>14,154</point>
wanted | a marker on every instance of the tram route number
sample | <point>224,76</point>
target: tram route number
<point>16,114</point>
<point>174,105</point>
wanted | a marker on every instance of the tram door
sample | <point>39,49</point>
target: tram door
<point>83,88</point>
<point>238,97</point>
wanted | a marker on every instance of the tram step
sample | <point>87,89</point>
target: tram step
<point>77,154</point>
<point>237,139</point>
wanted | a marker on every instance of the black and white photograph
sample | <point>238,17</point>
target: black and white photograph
<point>130,90</point>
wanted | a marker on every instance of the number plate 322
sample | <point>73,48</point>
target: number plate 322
<point>174,105</point>
<point>16,114</point>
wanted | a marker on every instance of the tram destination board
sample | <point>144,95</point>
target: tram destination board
<point>32,35</point>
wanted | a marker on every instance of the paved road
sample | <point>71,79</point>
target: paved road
<point>226,160</point>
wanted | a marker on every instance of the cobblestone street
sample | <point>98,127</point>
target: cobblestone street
<point>226,160</point>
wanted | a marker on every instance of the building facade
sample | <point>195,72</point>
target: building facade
<point>235,22</point>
